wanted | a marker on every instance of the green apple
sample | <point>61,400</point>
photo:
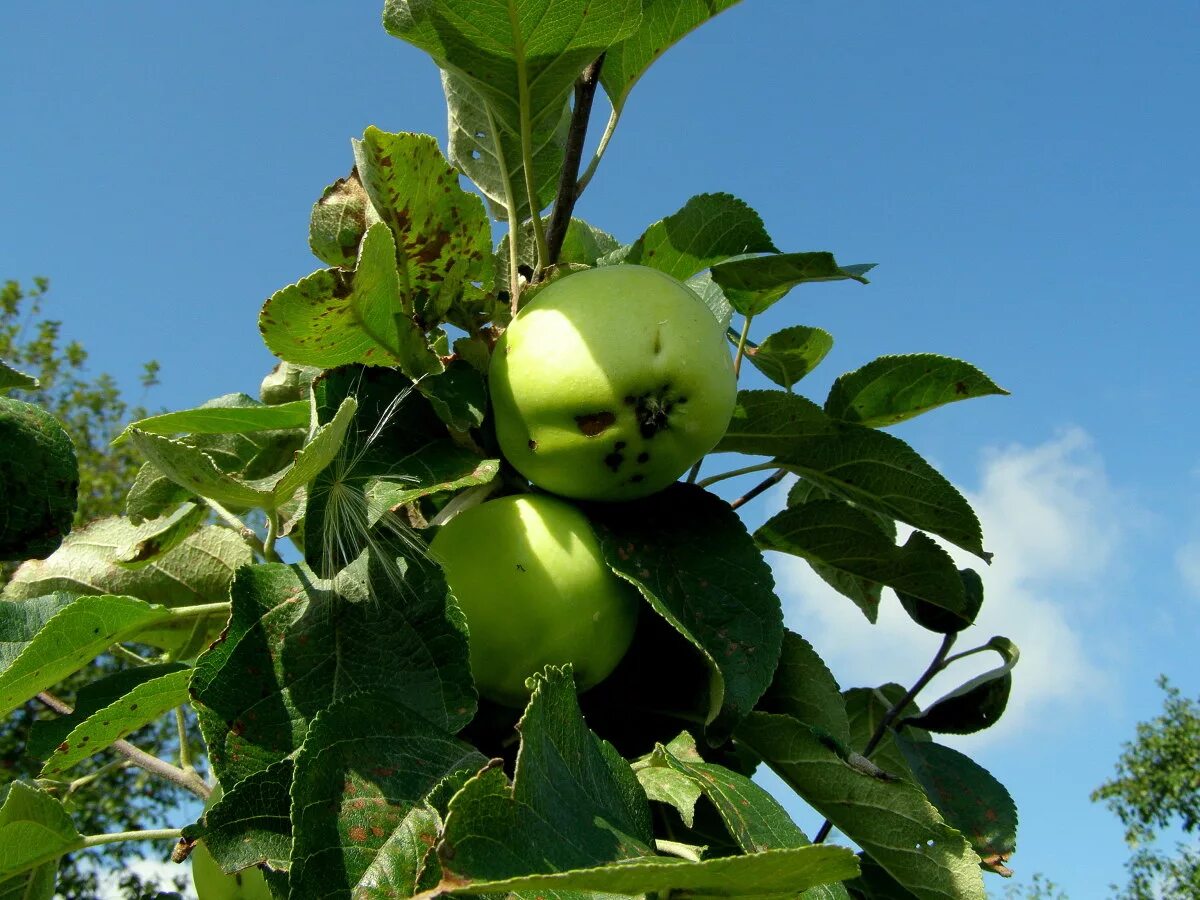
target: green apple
<point>529,576</point>
<point>213,884</point>
<point>611,384</point>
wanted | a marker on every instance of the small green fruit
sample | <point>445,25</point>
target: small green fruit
<point>530,578</point>
<point>611,384</point>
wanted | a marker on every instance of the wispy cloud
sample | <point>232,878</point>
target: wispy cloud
<point>1187,564</point>
<point>1053,521</point>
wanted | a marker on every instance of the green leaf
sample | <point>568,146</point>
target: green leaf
<point>690,556</point>
<point>866,709</point>
<point>708,229</point>
<point>788,355</point>
<point>755,284</point>
<point>710,292</point>
<point>370,761</point>
<point>65,642</point>
<point>293,647</point>
<point>195,471</point>
<point>969,798</point>
<point>35,884</point>
<point>314,456</point>
<point>198,570</point>
<point>891,820</point>
<point>92,697</point>
<point>520,59</point>
<point>334,317</point>
<point>490,154</point>
<point>339,220</point>
<point>874,470</point>
<point>979,703</point>
<point>752,816</point>
<point>459,395</point>
<point>947,619</point>
<point>664,22</point>
<point>583,244</point>
<point>241,414</point>
<point>575,802</point>
<point>834,534</point>
<point>160,536</point>
<point>805,689</point>
<point>34,831</point>
<point>286,383</point>
<point>397,450</point>
<point>251,822</point>
<point>10,378</point>
<point>141,706</point>
<point>894,388</point>
<point>664,784</point>
<point>774,875</point>
<point>443,239</point>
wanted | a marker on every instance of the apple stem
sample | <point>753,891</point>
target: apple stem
<point>569,184</point>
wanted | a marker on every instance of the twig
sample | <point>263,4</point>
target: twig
<point>244,531</point>
<point>187,780</point>
<point>766,484</point>
<point>569,187</point>
<point>586,177</point>
<point>936,665</point>
<point>733,473</point>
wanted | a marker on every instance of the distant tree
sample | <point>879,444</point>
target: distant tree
<point>93,411</point>
<point>1039,888</point>
<point>1157,788</point>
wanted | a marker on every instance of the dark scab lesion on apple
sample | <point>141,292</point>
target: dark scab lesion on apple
<point>532,445</point>
<point>592,424</point>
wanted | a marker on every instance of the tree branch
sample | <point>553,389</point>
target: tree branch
<point>189,781</point>
<point>936,665</point>
<point>766,484</point>
<point>569,188</point>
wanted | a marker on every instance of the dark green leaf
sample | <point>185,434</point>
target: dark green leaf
<point>39,481</point>
<point>575,802</point>
<point>664,22</point>
<point>788,355</point>
<point>235,413</point>
<point>338,222</point>
<point>251,822</point>
<point>891,820</point>
<point>583,244</point>
<point>369,762</point>
<point>969,798</point>
<point>805,689</point>
<point>459,395</point>
<point>160,536</point>
<point>838,536</point>
<point>874,470</point>
<point>894,388</point>
<point>979,703</point>
<point>942,618</point>
<point>709,228</point>
<point>866,709</point>
<point>755,284</point>
<point>692,559</point>
<point>293,647</point>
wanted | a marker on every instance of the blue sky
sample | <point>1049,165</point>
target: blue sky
<point>1023,173</point>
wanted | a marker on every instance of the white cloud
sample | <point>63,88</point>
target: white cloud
<point>1187,564</point>
<point>164,872</point>
<point>1054,523</point>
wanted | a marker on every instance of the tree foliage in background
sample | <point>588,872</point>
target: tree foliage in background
<point>93,411</point>
<point>1157,789</point>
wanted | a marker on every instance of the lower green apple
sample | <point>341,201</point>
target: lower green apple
<point>611,384</point>
<point>530,578</point>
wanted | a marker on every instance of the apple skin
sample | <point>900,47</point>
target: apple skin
<point>611,384</point>
<point>530,578</point>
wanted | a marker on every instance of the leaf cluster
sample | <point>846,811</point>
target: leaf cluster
<point>333,692</point>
